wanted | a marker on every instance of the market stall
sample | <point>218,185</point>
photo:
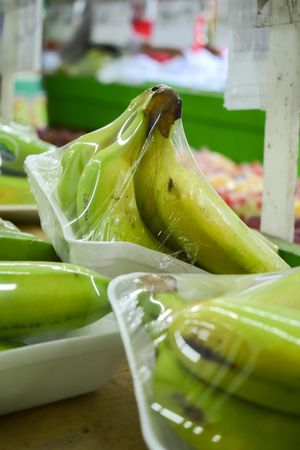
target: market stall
<point>149,235</point>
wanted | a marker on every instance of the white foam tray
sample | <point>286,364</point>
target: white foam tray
<point>140,353</point>
<point>109,258</point>
<point>45,372</point>
<point>139,347</point>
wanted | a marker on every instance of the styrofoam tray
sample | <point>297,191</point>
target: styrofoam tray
<point>78,363</point>
<point>109,258</point>
<point>140,353</point>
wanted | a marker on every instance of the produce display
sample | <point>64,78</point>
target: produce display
<point>16,245</point>
<point>135,180</point>
<point>217,358</point>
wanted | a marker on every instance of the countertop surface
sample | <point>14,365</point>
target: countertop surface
<point>103,420</point>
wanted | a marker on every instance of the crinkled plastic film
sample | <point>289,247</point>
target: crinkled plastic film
<point>214,358</point>
<point>136,181</point>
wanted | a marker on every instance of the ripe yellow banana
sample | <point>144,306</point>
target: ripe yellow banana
<point>42,297</point>
<point>81,150</point>
<point>15,191</point>
<point>247,344</point>
<point>16,245</point>
<point>209,419</point>
<point>182,209</point>
<point>106,205</point>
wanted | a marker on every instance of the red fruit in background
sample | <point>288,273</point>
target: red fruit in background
<point>253,222</point>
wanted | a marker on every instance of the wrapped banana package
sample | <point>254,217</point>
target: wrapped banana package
<point>16,143</point>
<point>214,358</point>
<point>130,197</point>
<point>58,338</point>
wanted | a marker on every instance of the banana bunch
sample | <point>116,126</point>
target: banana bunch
<point>227,372</point>
<point>16,245</point>
<point>37,298</point>
<point>127,182</point>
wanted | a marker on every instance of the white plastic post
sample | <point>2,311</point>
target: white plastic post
<point>281,131</point>
<point>8,50</point>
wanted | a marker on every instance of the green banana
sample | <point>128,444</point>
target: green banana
<point>10,345</point>
<point>182,209</point>
<point>81,150</point>
<point>247,344</point>
<point>16,245</point>
<point>37,298</point>
<point>106,205</point>
<point>15,146</point>
<point>156,305</point>
<point>15,191</point>
<point>208,418</point>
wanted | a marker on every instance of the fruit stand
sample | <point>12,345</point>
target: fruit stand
<point>142,311</point>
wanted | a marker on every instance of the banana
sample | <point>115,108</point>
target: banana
<point>81,150</point>
<point>247,344</point>
<point>15,146</point>
<point>10,345</point>
<point>182,209</point>
<point>15,191</point>
<point>208,418</point>
<point>37,298</point>
<point>155,306</point>
<point>16,245</point>
<point>106,205</point>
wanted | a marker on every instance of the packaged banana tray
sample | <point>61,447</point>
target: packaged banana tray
<point>58,336</point>
<point>130,197</point>
<point>16,143</point>
<point>214,358</point>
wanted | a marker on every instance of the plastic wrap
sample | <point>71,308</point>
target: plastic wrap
<point>214,358</point>
<point>136,181</point>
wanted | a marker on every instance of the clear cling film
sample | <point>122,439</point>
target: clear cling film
<point>136,181</point>
<point>214,358</point>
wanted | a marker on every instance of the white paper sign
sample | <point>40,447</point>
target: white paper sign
<point>174,24</point>
<point>248,58</point>
<point>111,22</point>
